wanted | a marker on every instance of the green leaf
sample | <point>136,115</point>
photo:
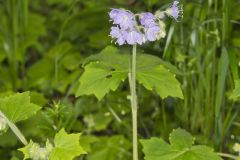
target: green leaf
<point>18,107</point>
<point>99,78</point>
<point>66,146</point>
<point>155,74</point>
<point>25,150</point>
<point>106,70</point>
<point>160,79</point>
<point>87,141</point>
<point>111,55</point>
<point>157,149</point>
<point>181,139</point>
<point>180,148</point>
<point>103,72</point>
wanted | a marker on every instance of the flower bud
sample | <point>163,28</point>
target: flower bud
<point>40,153</point>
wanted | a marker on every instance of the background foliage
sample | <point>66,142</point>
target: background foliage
<point>44,45</point>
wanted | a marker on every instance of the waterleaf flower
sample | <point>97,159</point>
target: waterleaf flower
<point>135,37</point>
<point>118,34</point>
<point>124,18</point>
<point>152,33</point>
<point>147,19</point>
<point>175,11</point>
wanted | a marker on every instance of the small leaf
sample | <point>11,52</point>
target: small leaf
<point>66,146</point>
<point>160,79</point>
<point>18,107</point>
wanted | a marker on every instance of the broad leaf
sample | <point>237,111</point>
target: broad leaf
<point>103,72</point>
<point>18,107</point>
<point>158,149</point>
<point>148,60</point>
<point>160,79</point>
<point>106,70</point>
<point>110,55</point>
<point>99,78</point>
<point>66,146</point>
<point>180,148</point>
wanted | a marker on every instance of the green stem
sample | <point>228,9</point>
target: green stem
<point>15,130</point>
<point>134,104</point>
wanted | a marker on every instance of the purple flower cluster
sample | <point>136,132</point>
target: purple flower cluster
<point>140,28</point>
<point>125,30</point>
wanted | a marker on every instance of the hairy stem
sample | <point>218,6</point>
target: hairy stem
<point>134,104</point>
<point>15,130</point>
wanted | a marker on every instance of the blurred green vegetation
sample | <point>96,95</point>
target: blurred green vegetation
<point>43,44</point>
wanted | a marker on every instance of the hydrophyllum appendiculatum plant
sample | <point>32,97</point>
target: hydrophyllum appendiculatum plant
<point>136,29</point>
<point>106,74</point>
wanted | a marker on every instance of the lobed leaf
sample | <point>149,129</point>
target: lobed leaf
<point>66,146</point>
<point>105,71</point>
<point>180,148</point>
<point>180,138</point>
<point>99,78</point>
<point>160,79</point>
<point>18,107</point>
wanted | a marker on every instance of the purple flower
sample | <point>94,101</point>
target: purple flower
<point>125,19</point>
<point>175,11</point>
<point>147,19</point>
<point>152,33</point>
<point>118,34</point>
<point>135,37</point>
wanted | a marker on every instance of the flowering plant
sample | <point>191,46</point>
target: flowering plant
<point>138,29</point>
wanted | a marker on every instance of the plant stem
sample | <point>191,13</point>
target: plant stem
<point>134,104</point>
<point>15,130</point>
